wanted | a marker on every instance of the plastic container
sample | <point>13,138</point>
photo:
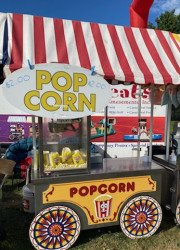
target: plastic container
<point>146,157</point>
<point>135,152</point>
<point>28,198</point>
<point>173,156</point>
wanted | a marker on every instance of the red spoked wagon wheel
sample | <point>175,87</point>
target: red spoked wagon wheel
<point>178,214</point>
<point>141,217</point>
<point>56,227</point>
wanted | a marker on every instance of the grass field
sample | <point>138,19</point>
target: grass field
<point>16,223</point>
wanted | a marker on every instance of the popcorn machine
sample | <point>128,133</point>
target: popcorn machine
<point>63,145</point>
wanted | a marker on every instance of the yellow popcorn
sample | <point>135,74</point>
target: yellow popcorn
<point>66,155</point>
<point>55,159</point>
<point>77,158</point>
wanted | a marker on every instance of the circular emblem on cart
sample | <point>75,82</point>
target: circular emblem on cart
<point>56,227</point>
<point>141,217</point>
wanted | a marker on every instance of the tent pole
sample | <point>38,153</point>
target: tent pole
<point>151,123</point>
<point>105,131</point>
<point>169,109</point>
<point>139,116</point>
<point>165,129</point>
<point>35,162</point>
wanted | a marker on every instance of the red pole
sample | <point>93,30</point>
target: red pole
<point>139,12</point>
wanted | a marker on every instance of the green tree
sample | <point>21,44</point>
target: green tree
<point>168,21</point>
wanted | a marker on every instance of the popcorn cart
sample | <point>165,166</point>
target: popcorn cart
<point>61,80</point>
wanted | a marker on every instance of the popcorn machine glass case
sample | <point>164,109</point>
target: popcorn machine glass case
<point>64,145</point>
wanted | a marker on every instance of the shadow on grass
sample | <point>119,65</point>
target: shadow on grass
<point>115,231</point>
<point>167,220</point>
<point>93,237</point>
<point>12,194</point>
<point>16,224</point>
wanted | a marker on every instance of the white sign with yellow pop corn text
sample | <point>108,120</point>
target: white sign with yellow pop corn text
<point>57,91</point>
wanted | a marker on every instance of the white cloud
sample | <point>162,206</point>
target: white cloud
<point>177,11</point>
<point>160,6</point>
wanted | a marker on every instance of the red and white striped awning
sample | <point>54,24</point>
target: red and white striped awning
<point>2,36</point>
<point>118,53</point>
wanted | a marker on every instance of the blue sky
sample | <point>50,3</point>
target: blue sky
<point>101,11</point>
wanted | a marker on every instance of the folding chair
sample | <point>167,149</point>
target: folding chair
<point>6,170</point>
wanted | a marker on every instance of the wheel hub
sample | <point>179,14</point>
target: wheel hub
<point>55,229</point>
<point>141,217</point>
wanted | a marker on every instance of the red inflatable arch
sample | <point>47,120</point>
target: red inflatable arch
<point>139,11</point>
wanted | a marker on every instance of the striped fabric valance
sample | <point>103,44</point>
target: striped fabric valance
<point>118,53</point>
